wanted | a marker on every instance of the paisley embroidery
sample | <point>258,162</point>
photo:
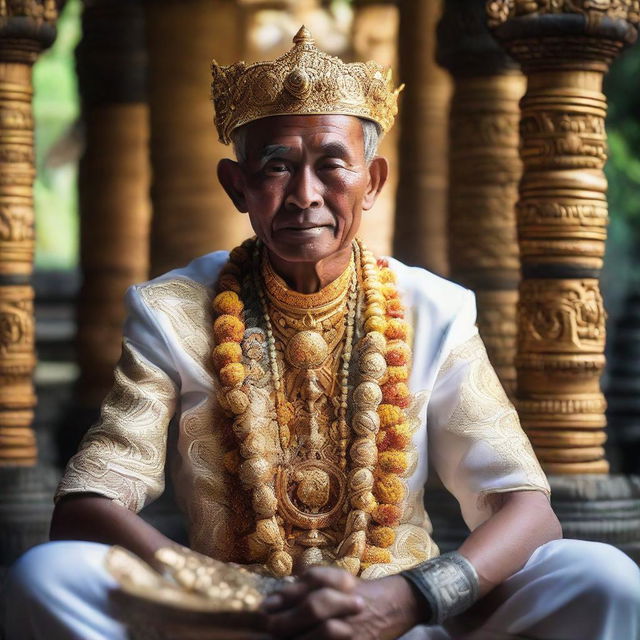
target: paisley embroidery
<point>483,413</point>
<point>123,455</point>
<point>186,306</point>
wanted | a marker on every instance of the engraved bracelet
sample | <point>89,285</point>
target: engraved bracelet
<point>448,583</point>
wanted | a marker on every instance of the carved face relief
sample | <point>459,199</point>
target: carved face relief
<point>14,327</point>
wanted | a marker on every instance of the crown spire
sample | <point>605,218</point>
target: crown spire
<point>303,36</point>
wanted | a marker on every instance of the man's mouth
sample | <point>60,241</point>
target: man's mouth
<point>302,227</point>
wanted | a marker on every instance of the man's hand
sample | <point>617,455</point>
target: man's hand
<point>330,604</point>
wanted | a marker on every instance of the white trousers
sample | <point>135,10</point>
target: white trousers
<point>568,590</point>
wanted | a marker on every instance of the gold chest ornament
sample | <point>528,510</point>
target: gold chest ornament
<point>333,490</point>
<point>313,335</point>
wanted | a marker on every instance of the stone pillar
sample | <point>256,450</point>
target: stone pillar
<point>25,29</point>
<point>484,171</point>
<point>113,184</point>
<point>562,217</point>
<point>421,203</point>
<point>25,488</point>
<point>191,213</point>
<point>374,36</point>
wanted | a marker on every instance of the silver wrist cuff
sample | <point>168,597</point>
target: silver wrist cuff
<point>449,584</point>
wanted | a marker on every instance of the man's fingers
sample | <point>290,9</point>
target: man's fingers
<point>318,607</point>
<point>330,630</point>
<point>287,597</point>
<point>332,577</point>
<point>316,578</point>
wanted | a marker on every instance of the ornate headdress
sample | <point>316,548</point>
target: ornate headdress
<point>305,81</point>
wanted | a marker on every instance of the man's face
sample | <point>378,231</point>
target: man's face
<point>304,183</point>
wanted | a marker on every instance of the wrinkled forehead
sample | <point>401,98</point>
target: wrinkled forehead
<point>309,131</point>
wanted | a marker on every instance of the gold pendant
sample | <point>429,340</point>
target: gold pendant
<point>307,350</point>
<point>311,494</point>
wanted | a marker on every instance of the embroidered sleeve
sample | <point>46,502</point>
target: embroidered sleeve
<point>122,457</point>
<point>475,440</point>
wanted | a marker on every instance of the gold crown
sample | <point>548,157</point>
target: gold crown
<point>305,81</point>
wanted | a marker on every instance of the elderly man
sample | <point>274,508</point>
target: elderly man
<point>306,408</point>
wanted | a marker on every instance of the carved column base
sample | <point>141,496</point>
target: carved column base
<point>600,508</point>
<point>25,509</point>
<point>589,506</point>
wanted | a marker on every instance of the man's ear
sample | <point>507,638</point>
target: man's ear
<point>232,180</point>
<point>378,173</point>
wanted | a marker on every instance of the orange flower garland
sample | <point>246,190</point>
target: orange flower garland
<point>228,333</point>
<point>387,515</point>
<point>394,437</point>
<point>392,461</point>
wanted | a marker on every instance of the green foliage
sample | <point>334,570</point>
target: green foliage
<point>56,109</point>
<point>623,127</point>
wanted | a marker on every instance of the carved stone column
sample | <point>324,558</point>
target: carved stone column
<point>113,183</point>
<point>374,36</point>
<point>421,209</point>
<point>562,217</point>
<point>191,213</point>
<point>25,29</point>
<point>484,171</point>
<point>25,489</point>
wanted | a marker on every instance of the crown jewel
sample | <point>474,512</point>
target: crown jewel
<point>303,81</point>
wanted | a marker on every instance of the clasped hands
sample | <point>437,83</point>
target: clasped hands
<point>328,603</point>
<point>325,603</point>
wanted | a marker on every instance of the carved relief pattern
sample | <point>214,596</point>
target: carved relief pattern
<point>484,172</point>
<point>17,360</point>
<point>39,10</point>
<point>564,140</point>
<point>562,209</point>
<point>16,327</point>
<point>562,218</point>
<point>564,316</point>
<point>16,175</point>
<point>499,11</point>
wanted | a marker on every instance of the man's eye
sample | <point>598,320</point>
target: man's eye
<point>331,165</point>
<point>277,167</point>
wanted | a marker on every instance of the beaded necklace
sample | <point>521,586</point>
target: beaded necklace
<point>368,479</point>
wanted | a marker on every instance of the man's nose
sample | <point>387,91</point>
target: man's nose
<point>304,190</point>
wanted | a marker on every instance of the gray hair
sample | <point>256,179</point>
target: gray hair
<point>371,133</point>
